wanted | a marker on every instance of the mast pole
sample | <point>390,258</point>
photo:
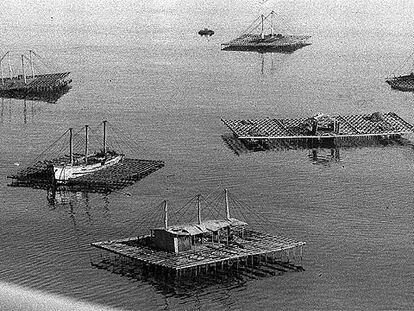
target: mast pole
<point>226,200</point>
<point>2,77</point>
<point>262,33</point>
<point>198,209</point>
<point>71,145</point>
<point>31,63</point>
<point>271,23</point>
<point>165,214</point>
<point>10,68</point>
<point>104,136</point>
<point>86,144</point>
<point>24,74</point>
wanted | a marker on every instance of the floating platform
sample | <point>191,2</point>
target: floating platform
<point>206,246</point>
<point>112,178</point>
<point>358,125</point>
<point>254,247</point>
<point>24,79</point>
<point>402,83</point>
<point>250,40</point>
<point>269,43</point>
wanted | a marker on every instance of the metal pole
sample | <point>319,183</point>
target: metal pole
<point>199,209</point>
<point>104,136</point>
<point>165,214</point>
<point>226,200</point>
<point>24,74</point>
<point>86,144</point>
<point>71,146</point>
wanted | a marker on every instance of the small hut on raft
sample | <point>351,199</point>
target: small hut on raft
<point>207,246</point>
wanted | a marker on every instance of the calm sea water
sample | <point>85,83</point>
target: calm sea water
<point>143,67</point>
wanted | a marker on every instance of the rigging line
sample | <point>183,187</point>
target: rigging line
<point>37,158</point>
<point>261,220</point>
<point>404,62</point>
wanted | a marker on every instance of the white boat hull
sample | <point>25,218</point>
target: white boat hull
<point>66,172</point>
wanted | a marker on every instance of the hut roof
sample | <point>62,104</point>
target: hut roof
<point>205,227</point>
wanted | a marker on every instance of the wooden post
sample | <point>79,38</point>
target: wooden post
<point>271,24</point>
<point>2,75</point>
<point>31,63</point>
<point>71,146</point>
<point>226,200</point>
<point>104,136</point>
<point>24,74</point>
<point>262,33</point>
<point>10,68</point>
<point>165,214</point>
<point>86,144</point>
<point>199,209</point>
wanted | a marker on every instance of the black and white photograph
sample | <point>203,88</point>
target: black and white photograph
<point>206,155</point>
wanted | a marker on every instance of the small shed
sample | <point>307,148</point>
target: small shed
<point>185,237</point>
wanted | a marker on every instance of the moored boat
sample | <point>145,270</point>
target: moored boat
<point>82,164</point>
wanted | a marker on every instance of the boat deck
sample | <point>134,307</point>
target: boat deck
<point>349,126</point>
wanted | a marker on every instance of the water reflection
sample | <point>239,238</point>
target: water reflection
<point>24,110</point>
<point>47,97</point>
<point>324,151</point>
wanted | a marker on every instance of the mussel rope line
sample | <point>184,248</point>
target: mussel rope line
<point>404,62</point>
<point>126,140</point>
<point>262,220</point>
<point>122,138</point>
<point>50,146</point>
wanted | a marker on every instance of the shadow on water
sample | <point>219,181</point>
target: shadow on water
<point>192,284</point>
<point>47,97</point>
<point>325,151</point>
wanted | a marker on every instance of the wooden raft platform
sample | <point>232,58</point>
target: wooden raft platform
<point>111,178</point>
<point>349,126</point>
<point>254,245</point>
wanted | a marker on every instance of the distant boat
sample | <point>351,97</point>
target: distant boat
<point>262,42</point>
<point>206,32</point>
<point>79,165</point>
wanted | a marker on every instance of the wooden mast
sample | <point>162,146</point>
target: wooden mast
<point>10,68</point>
<point>271,22</point>
<point>198,209</point>
<point>71,146</point>
<point>104,136</point>
<point>262,33</point>
<point>165,214</point>
<point>226,200</point>
<point>24,74</point>
<point>86,144</point>
<point>31,63</point>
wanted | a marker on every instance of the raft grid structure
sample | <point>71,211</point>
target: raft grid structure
<point>346,126</point>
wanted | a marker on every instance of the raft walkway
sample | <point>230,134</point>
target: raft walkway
<point>357,125</point>
<point>254,248</point>
<point>114,177</point>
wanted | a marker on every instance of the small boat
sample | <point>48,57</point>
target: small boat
<point>206,32</point>
<point>82,164</point>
